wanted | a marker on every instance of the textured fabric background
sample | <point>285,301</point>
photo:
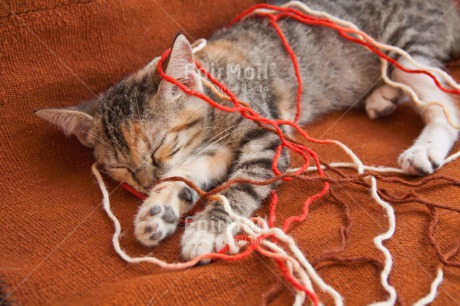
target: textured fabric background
<point>55,239</point>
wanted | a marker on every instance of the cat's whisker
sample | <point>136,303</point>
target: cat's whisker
<point>204,148</point>
<point>108,154</point>
<point>98,139</point>
<point>103,143</point>
<point>198,155</point>
<point>103,171</point>
<point>200,149</point>
<point>203,145</point>
<point>138,112</point>
<point>211,139</point>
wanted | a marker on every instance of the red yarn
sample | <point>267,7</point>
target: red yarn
<point>272,214</point>
<point>134,192</point>
<point>275,125</point>
<point>293,57</point>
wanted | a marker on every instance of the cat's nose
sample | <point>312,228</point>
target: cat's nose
<point>146,178</point>
<point>149,185</point>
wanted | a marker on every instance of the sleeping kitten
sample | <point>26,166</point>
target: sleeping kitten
<point>144,129</point>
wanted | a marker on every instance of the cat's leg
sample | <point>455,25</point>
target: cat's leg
<point>161,212</point>
<point>382,101</point>
<point>207,233</point>
<point>437,138</point>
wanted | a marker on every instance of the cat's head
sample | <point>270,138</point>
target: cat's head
<point>143,126</point>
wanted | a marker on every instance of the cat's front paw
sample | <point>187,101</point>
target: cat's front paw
<point>159,214</point>
<point>207,233</point>
<point>422,159</point>
<point>196,242</point>
<point>154,223</point>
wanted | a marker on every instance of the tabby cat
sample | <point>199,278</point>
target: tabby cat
<point>144,129</point>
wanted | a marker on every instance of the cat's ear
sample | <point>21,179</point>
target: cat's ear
<point>181,66</point>
<point>75,120</point>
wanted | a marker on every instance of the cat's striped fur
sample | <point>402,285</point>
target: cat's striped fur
<point>143,128</point>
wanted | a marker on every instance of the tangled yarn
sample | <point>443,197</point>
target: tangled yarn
<point>262,236</point>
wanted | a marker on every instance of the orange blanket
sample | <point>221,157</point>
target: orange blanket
<point>55,239</point>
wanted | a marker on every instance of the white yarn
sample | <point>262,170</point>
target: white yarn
<point>433,291</point>
<point>249,228</point>
<point>378,243</point>
<point>379,169</point>
<point>117,233</point>
<point>199,45</point>
<point>385,236</point>
<point>277,232</point>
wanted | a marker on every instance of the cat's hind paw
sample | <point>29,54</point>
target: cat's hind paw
<point>154,223</point>
<point>382,101</point>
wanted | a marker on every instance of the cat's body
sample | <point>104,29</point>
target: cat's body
<point>144,128</point>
